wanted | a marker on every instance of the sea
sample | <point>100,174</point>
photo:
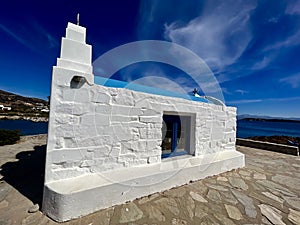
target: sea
<point>245,128</point>
<point>26,127</point>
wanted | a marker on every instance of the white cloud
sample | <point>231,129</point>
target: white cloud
<point>293,80</point>
<point>293,7</point>
<point>273,20</point>
<point>156,78</point>
<point>220,35</point>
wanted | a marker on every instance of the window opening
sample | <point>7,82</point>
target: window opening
<point>176,133</point>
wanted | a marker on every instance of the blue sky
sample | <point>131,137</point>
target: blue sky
<point>252,47</point>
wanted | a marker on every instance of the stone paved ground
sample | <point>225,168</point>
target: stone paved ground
<point>266,191</point>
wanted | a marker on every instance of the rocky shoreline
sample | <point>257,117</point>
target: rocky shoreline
<point>285,140</point>
<point>31,118</point>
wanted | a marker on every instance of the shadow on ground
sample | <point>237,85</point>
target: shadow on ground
<point>27,174</point>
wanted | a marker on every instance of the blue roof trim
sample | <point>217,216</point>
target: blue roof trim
<point>141,88</point>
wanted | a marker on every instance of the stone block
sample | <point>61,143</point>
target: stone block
<point>125,100</point>
<point>150,112</point>
<point>103,109</point>
<point>95,141</point>
<point>125,118</point>
<point>72,108</point>
<point>153,159</point>
<point>150,119</point>
<point>71,143</point>
<point>102,151</point>
<point>66,155</point>
<point>102,98</point>
<point>82,95</point>
<point>102,120</point>
<point>121,133</point>
<point>136,124</point>
<point>217,133</point>
<point>67,119</point>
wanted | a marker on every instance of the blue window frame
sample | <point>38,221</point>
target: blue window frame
<point>175,134</point>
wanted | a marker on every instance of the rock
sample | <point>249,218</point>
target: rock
<point>266,221</point>
<point>272,214</point>
<point>155,214</point>
<point>168,203</point>
<point>257,187</point>
<point>175,192</point>
<point>148,198</point>
<point>176,221</point>
<point>259,176</point>
<point>199,212</point>
<point>293,201</point>
<point>291,182</point>
<point>217,187</point>
<point>197,197</point>
<point>223,219</point>
<point>211,180</point>
<point>277,187</point>
<point>294,216</point>
<point>189,206</point>
<point>229,198</point>
<point>4,190</point>
<point>3,204</point>
<point>214,195</point>
<point>34,208</point>
<point>247,203</point>
<point>222,179</point>
<point>5,222</point>
<point>233,212</point>
<point>244,173</point>
<point>238,183</point>
<point>130,212</point>
<point>274,197</point>
<point>199,187</point>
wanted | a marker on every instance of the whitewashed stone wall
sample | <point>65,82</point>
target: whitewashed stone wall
<point>95,128</point>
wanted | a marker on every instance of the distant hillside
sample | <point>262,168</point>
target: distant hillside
<point>267,118</point>
<point>10,99</point>
<point>13,106</point>
<point>272,120</point>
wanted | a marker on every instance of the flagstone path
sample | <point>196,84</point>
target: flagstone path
<point>265,191</point>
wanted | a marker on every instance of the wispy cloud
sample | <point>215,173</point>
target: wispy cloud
<point>290,41</point>
<point>244,101</point>
<point>46,35</point>
<point>220,35</point>
<point>247,101</point>
<point>293,7</point>
<point>262,64</point>
<point>17,37</point>
<point>293,80</point>
<point>24,35</point>
<point>240,91</point>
